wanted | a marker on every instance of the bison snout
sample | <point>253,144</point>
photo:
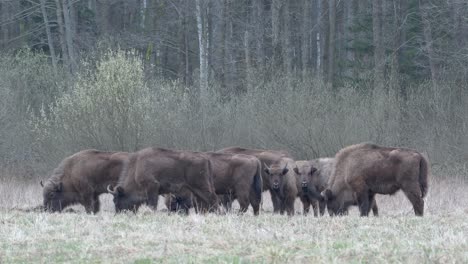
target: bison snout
<point>304,184</point>
<point>275,185</point>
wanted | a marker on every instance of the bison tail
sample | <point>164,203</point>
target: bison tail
<point>257,184</point>
<point>423,176</point>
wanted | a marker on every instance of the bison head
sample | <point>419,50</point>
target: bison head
<point>176,203</point>
<point>306,180</point>
<point>53,195</point>
<point>339,202</point>
<point>122,200</point>
<point>276,175</point>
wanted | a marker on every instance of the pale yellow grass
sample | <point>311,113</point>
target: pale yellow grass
<point>396,236</point>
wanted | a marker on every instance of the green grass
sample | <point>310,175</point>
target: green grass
<point>154,237</point>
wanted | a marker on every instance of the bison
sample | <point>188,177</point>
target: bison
<point>236,176</point>
<point>266,157</point>
<point>283,184</point>
<point>81,178</point>
<point>153,171</point>
<point>312,177</point>
<point>363,170</point>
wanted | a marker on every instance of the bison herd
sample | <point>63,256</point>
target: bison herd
<point>207,180</point>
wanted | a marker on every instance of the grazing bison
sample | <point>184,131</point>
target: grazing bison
<point>312,177</point>
<point>81,178</point>
<point>283,183</point>
<point>154,171</point>
<point>363,170</point>
<point>266,157</point>
<point>235,176</point>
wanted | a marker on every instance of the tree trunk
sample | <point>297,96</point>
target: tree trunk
<point>102,16</point>
<point>202,42</point>
<point>324,37</point>
<point>63,44</point>
<point>248,63</point>
<point>275,27</point>
<point>428,39</point>
<point>259,27</point>
<point>349,37</point>
<point>5,16</point>
<point>287,46</point>
<point>331,42</point>
<point>396,30</point>
<point>229,63</point>
<point>305,43</point>
<point>49,35</point>
<point>69,34</point>
<point>379,60</point>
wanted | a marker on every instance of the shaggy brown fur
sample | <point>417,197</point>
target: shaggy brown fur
<point>363,170</point>
<point>236,176</point>
<point>283,183</point>
<point>154,171</point>
<point>81,178</point>
<point>266,157</point>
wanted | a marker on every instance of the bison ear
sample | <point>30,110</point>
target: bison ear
<point>285,170</point>
<point>267,171</point>
<point>296,170</point>
<point>313,170</point>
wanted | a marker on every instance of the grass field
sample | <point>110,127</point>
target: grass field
<point>396,236</point>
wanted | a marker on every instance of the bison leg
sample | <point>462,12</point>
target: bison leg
<point>373,204</point>
<point>315,207</point>
<point>289,204</point>
<point>416,199</point>
<point>255,203</point>
<point>227,202</point>
<point>322,205</point>
<point>306,205</point>
<point>363,202</point>
<point>91,203</point>
<point>276,201</point>
<point>244,203</point>
<point>96,204</point>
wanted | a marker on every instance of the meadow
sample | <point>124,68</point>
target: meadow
<point>441,236</point>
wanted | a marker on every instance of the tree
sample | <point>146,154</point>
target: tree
<point>49,34</point>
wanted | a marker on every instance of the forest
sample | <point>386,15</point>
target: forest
<point>309,76</point>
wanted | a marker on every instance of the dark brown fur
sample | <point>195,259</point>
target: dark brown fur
<point>266,157</point>
<point>81,178</point>
<point>236,176</point>
<point>154,171</point>
<point>363,170</point>
<point>283,183</point>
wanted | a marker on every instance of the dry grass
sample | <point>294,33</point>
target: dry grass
<point>396,236</point>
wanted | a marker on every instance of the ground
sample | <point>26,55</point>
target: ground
<point>396,236</point>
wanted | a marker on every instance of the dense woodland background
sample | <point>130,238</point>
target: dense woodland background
<point>309,76</point>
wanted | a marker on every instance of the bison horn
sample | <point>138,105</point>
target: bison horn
<point>42,184</point>
<point>285,169</point>
<point>110,189</point>
<point>266,169</point>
